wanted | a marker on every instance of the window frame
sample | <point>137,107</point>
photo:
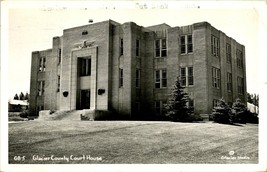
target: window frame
<point>191,104</point>
<point>229,82</point>
<point>40,88</point>
<point>159,50</point>
<point>215,46</point>
<point>216,78</point>
<point>86,67</point>
<point>137,48</point>
<point>120,77</point>
<point>58,83</point>
<point>239,58</point>
<point>185,45</point>
<point>159,107</point>
<point>228,53</point>
<point>187,80</point>
<point>121,46</point>
<point>240,85</point>
<point>215,102</point>
<point>190,77</point>
<point>59,55</point>
<point>183,76</point>
<point>137,78</point>
<point>42,64</point>
<point>160,80</point>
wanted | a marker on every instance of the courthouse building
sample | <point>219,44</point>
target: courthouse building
<point>129,69</point>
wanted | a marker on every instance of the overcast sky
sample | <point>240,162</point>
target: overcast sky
<point>32,29</point>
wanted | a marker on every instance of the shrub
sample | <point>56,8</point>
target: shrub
<point>24,114</point>
<point>252,117</point>
<point>240,112</point>
<point>221,113</point>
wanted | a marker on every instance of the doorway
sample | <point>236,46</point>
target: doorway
<point>85,99</point>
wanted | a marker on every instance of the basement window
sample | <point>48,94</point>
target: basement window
<point>84,32</point>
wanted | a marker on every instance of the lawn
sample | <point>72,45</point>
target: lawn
<point>131,142</point>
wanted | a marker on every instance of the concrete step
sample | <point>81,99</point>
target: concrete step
<point>46,115</point>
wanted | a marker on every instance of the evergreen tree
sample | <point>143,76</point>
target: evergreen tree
<point>250,98</point>
<point>16,97</point>
<point>240,111</point>
<point>256,100</point>
<point>176,108</point>
<point>26,97</point>
<point>21,96</point>
<point>221,113</point>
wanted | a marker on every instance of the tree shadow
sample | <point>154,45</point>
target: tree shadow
<point>235,124</point>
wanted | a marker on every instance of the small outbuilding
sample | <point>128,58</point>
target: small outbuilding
<point>17,105</point>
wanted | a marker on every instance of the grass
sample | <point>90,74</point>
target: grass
<point>132,142</point>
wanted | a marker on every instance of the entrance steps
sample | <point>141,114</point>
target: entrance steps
<point>47,115</point>
<point>85,114</point>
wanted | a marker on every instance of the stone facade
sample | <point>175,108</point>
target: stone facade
<point>130,70</point>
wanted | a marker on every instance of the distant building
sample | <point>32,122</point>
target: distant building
<point>130,69</point>
<point>17,105</point>
<point>252,108</point>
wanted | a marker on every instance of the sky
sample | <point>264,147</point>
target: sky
<point>32,29</point>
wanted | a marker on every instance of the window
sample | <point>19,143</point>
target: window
<point>157,48</point>
<point>190,76</point>
<point>229,82</point>
<point>41,86</point>
<point>161,78</point>
<point>137,106</point>
<point>183,76</point>
<point>228,53</point>
<point>215,46</point>
<point>137,78</point>
<point>159,107</point>
<point>121,78</point>
<point>59,56</point>
<point>240,85</point>
<point>239,58</point>
<point>187,77</point>
<point>157,81</point>
<point>58,83</point>
<point>121,46</point>
<point>186,43</point>
<point>85,67</point>
<point>216,77</point>
<point>39,108</point>
<point>190,104</point>
<point>42,62</point>
<point>137,50</point>
<point>164,78</point>
<point>161,47</point>
<point>215,102</point>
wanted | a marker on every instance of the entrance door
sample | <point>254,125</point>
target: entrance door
<point>85,99</point>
